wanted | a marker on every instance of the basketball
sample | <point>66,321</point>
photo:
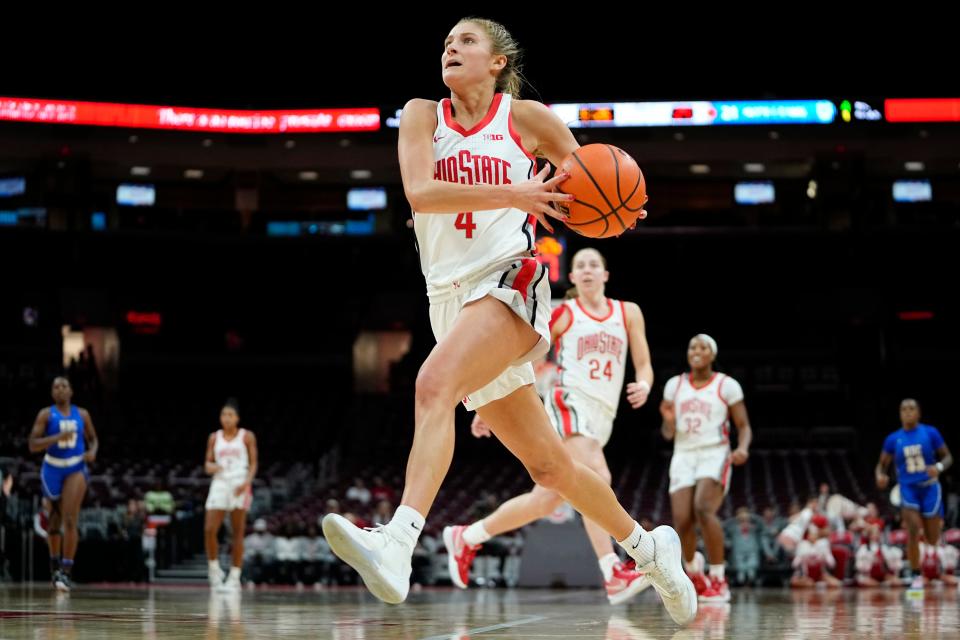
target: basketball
<point>609,188</point>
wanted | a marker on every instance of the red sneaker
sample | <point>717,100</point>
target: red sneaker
<point>700,582</point>
<point>625,582</point>
<point>718,592</point>
<point>460,555</point>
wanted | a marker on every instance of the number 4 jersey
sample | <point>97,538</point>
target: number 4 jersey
<point>457,245</point>
<point>702,412</point>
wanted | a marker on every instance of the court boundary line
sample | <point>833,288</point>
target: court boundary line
<point>493,627</point>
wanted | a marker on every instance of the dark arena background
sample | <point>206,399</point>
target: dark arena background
<point>194,214</point>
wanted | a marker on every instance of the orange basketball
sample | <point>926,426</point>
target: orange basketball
<point>609,188</point>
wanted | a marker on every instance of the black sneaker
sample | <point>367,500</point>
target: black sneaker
<point>61,582</point>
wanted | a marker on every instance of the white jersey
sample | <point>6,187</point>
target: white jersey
<point>702,413</point>
<point>456,246</point>
<point>592,353</point>
<point>231,456</point>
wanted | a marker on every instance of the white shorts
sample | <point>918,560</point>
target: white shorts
<point>573,413</point>
<point>687,467</point>
<point>521,284</point>
<point>222,498</point>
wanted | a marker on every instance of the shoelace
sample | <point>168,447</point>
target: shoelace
<point>381,529</point>
<point>386,531</point>
<point>661,578</point>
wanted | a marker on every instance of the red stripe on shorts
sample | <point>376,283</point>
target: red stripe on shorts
<point>522,281</point>
<point>564,412</point>
<point>725,474</point>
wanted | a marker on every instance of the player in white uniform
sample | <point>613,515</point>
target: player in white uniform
<point>232,461</point>
<point>592,334</point>
<point>473,185</point>
<point>696,408</point>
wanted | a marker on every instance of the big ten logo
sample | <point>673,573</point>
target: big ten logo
<point>493,136</point>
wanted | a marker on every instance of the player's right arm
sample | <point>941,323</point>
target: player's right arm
<point>881,471</point>
<point>668,409</point>
<point>561,319</point>
<point>210,465</point>
<point>668,428</point>
<point>37,442</point>
<point>427,195</point>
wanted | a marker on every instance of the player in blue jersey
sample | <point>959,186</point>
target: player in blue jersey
<point>920,455</point>
<point>66,433</point>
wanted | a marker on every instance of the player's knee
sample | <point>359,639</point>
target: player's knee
<point>703,509</point>
<point>210,529</point>
<point>433,388</point>
<point>70,522</point>
<point>552,471</point>
<point>545,475</point>
<point>683,521</point>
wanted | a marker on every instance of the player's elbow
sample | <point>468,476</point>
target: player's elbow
<point>418,195</point>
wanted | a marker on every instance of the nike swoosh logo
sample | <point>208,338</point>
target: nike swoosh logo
<point>438,138</point>
<point>415,526</point>
<point>638,543</point>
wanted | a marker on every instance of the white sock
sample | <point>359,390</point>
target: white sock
<point>234,573</point>
<point>214,565</point>
<point>408,523</point>
<point>606,565</point>
<point>476,534</point>
<point>695,566</point>
<point>639,545</point>
<point>717,571</point>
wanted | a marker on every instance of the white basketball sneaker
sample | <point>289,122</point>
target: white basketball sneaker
<point>231,584</point>
<point>215,576</point>
<point>378,554</point>
<point>666,574</point>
